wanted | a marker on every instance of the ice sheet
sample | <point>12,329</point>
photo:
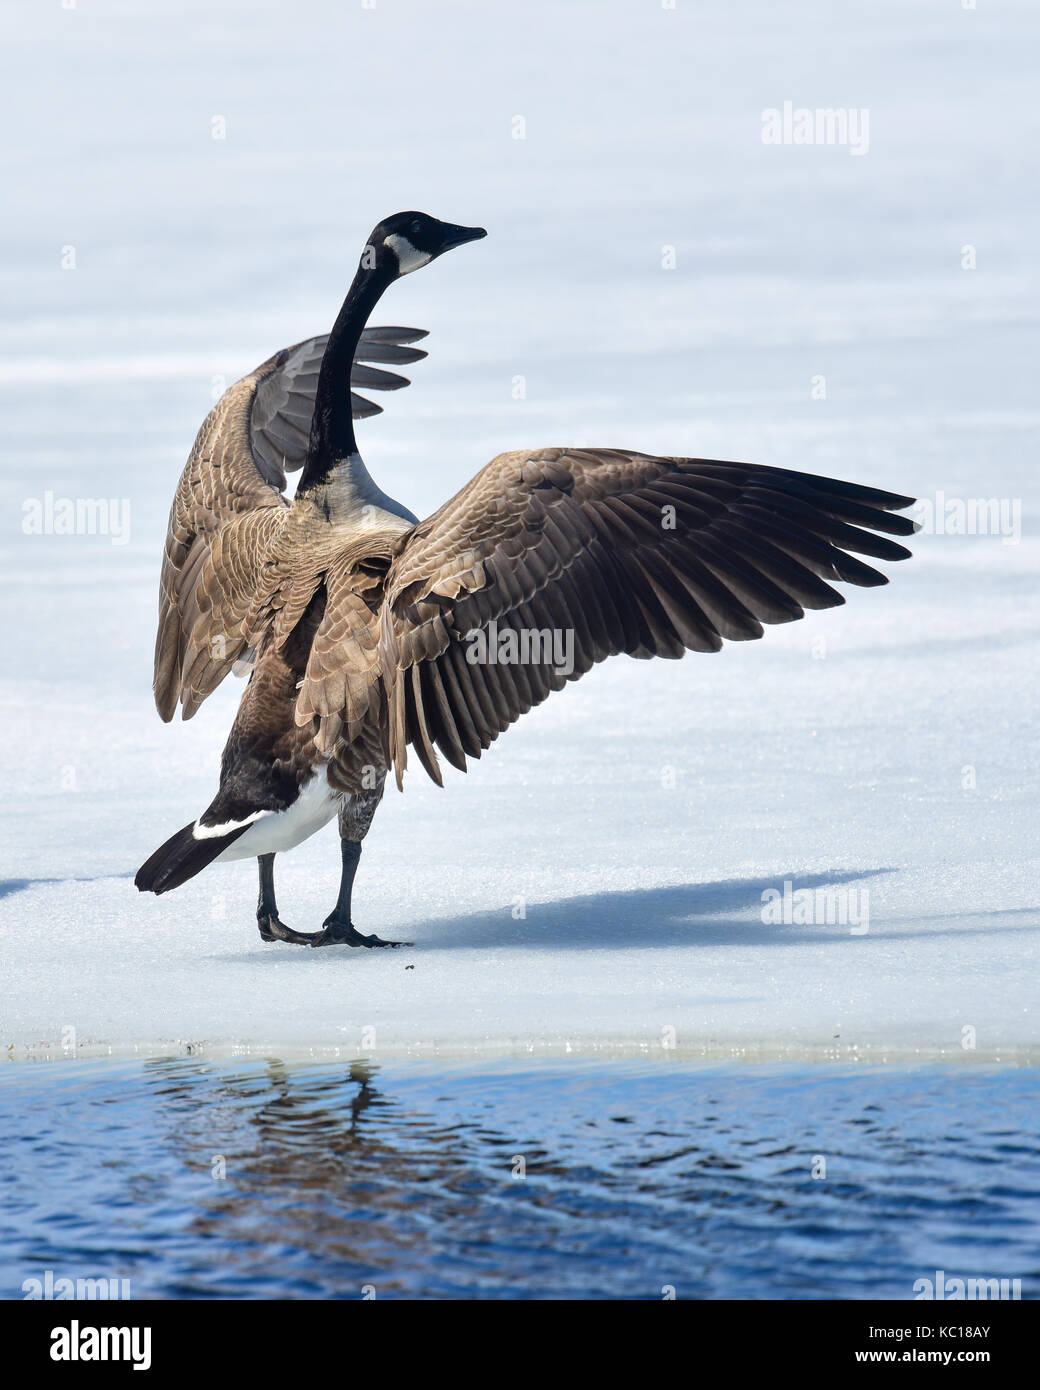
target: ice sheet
<point>564,894</point>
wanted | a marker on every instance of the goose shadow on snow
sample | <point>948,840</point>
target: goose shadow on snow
<point>673,915</point>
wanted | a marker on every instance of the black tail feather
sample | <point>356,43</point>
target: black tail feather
<point>181,858</point>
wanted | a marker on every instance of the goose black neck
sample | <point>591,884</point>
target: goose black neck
<point>332,428</point>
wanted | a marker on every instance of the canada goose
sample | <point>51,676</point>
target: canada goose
<point>374,632</point>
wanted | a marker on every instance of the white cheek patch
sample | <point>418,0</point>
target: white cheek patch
<point>409,257</point>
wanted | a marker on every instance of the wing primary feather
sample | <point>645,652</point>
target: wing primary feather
<point>419,734</point>
<point>445,734</point>
<point>467,721</point>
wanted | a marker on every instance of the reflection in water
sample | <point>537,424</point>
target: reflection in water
<point>264,1179</point>
<point>373,1181</point>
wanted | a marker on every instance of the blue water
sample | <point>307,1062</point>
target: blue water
<point>637,1176</point>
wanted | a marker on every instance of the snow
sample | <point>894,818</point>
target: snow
<point>596,882</point>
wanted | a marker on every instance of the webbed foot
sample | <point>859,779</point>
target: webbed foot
<point>271,929</point>
<point>337,933</point>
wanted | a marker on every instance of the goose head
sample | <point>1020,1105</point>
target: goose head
<point>409,240</point>
<point>395,247</point>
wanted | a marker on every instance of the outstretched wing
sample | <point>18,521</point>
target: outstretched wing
<point>229,504</point>
<point>283,402</point>
<point>548,562</point>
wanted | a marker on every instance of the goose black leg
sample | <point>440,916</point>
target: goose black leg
<point>337,929</point>
<point>271,929</point>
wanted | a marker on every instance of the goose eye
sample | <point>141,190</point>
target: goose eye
<point>416,226</point>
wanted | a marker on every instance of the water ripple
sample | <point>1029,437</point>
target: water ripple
<point>269,1180</point>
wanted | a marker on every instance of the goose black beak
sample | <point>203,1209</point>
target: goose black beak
<point>458,236</point>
